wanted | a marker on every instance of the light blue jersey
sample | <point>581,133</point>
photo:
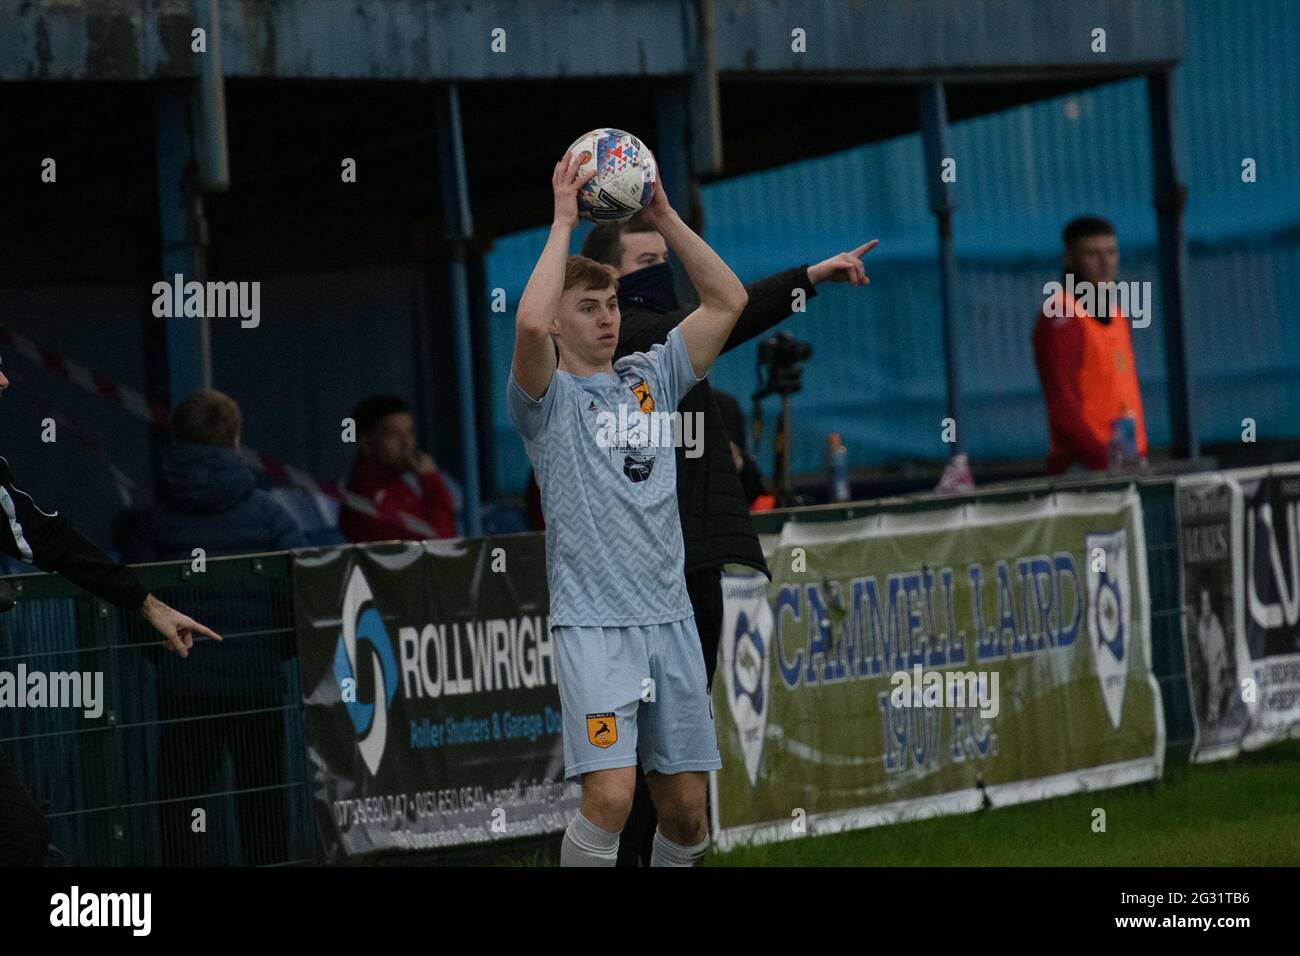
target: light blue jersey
<point>614,553</point>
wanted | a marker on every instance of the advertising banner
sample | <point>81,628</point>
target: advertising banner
<point>1205,506</point>
<point>1240,543</point>
<point>903,666</point>
<point>1268,650</point>
<point>432,709</point>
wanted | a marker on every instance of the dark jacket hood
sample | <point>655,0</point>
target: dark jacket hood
<point>204,479</point>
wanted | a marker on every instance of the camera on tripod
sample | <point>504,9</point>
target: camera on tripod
<point>781,357</point>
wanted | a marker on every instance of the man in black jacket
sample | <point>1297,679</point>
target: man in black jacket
<point>716,526</point>
<point>51,543</point>
<point>733,422</point>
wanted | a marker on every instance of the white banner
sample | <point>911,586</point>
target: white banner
<point>1239,536</point>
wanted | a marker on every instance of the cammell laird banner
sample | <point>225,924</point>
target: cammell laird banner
<point>903,666</point>
<point>1240,544</point>
<point>432,709</point>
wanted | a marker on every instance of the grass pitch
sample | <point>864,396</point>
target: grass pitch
<point>1242,812</point>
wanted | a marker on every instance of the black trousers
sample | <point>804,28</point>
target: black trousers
<point>24,831</point>
<point>705,590</point>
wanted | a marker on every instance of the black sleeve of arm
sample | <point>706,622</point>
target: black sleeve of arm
<point>771,300</point>
<point>52,544</point>
<point>751,480</point>
<point>640,331</point>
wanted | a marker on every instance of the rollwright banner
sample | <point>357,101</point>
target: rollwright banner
<point>432,709</point>
<point>905,666</point>
<point>1240,544</point>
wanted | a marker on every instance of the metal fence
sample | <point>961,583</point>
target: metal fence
<point>192,762</point>
<point>222,731</point>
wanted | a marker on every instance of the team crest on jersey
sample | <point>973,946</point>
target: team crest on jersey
<point>642,392</point>
<point>638,468</point>
<point>602,730</point>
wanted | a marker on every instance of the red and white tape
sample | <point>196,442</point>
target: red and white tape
<point>158,416</point>
<point>72,370</point>
<point>132,495</point>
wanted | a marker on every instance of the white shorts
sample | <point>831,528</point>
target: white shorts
<point>635,692</point>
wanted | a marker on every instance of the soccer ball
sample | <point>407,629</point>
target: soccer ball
<point>626,173</point>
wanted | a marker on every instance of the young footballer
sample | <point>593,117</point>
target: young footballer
<point>630,669</point>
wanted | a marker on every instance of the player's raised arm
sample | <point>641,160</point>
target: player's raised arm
<point>534,359</point>
<point>722,296</point>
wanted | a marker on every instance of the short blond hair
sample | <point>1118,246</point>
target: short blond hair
<point>589,274</point>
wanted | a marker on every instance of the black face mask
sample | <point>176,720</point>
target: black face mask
<point>649,288</point>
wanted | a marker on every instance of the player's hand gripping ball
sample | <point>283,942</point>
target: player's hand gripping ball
<point>626,175</point>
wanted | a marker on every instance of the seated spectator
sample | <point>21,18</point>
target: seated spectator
<point>229,705</point>
<point>395,476</point>
<point>207,496</point>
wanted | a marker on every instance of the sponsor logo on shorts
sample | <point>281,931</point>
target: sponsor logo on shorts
<point>602,730</point>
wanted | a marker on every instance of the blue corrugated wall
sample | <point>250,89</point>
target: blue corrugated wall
<point>876,376</point>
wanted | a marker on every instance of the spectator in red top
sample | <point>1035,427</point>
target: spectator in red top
<point>395,476</point>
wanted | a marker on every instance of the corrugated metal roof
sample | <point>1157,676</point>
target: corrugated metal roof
<point>453,39</point>
<point>984,37</point>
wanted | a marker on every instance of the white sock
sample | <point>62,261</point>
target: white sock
<point>586,844</point>
<point>668,853</point>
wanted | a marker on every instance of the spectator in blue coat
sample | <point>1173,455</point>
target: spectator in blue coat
<point>208,497</point>
<point>234,705</point>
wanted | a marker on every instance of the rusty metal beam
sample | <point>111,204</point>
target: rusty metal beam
<point>451,40</point>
